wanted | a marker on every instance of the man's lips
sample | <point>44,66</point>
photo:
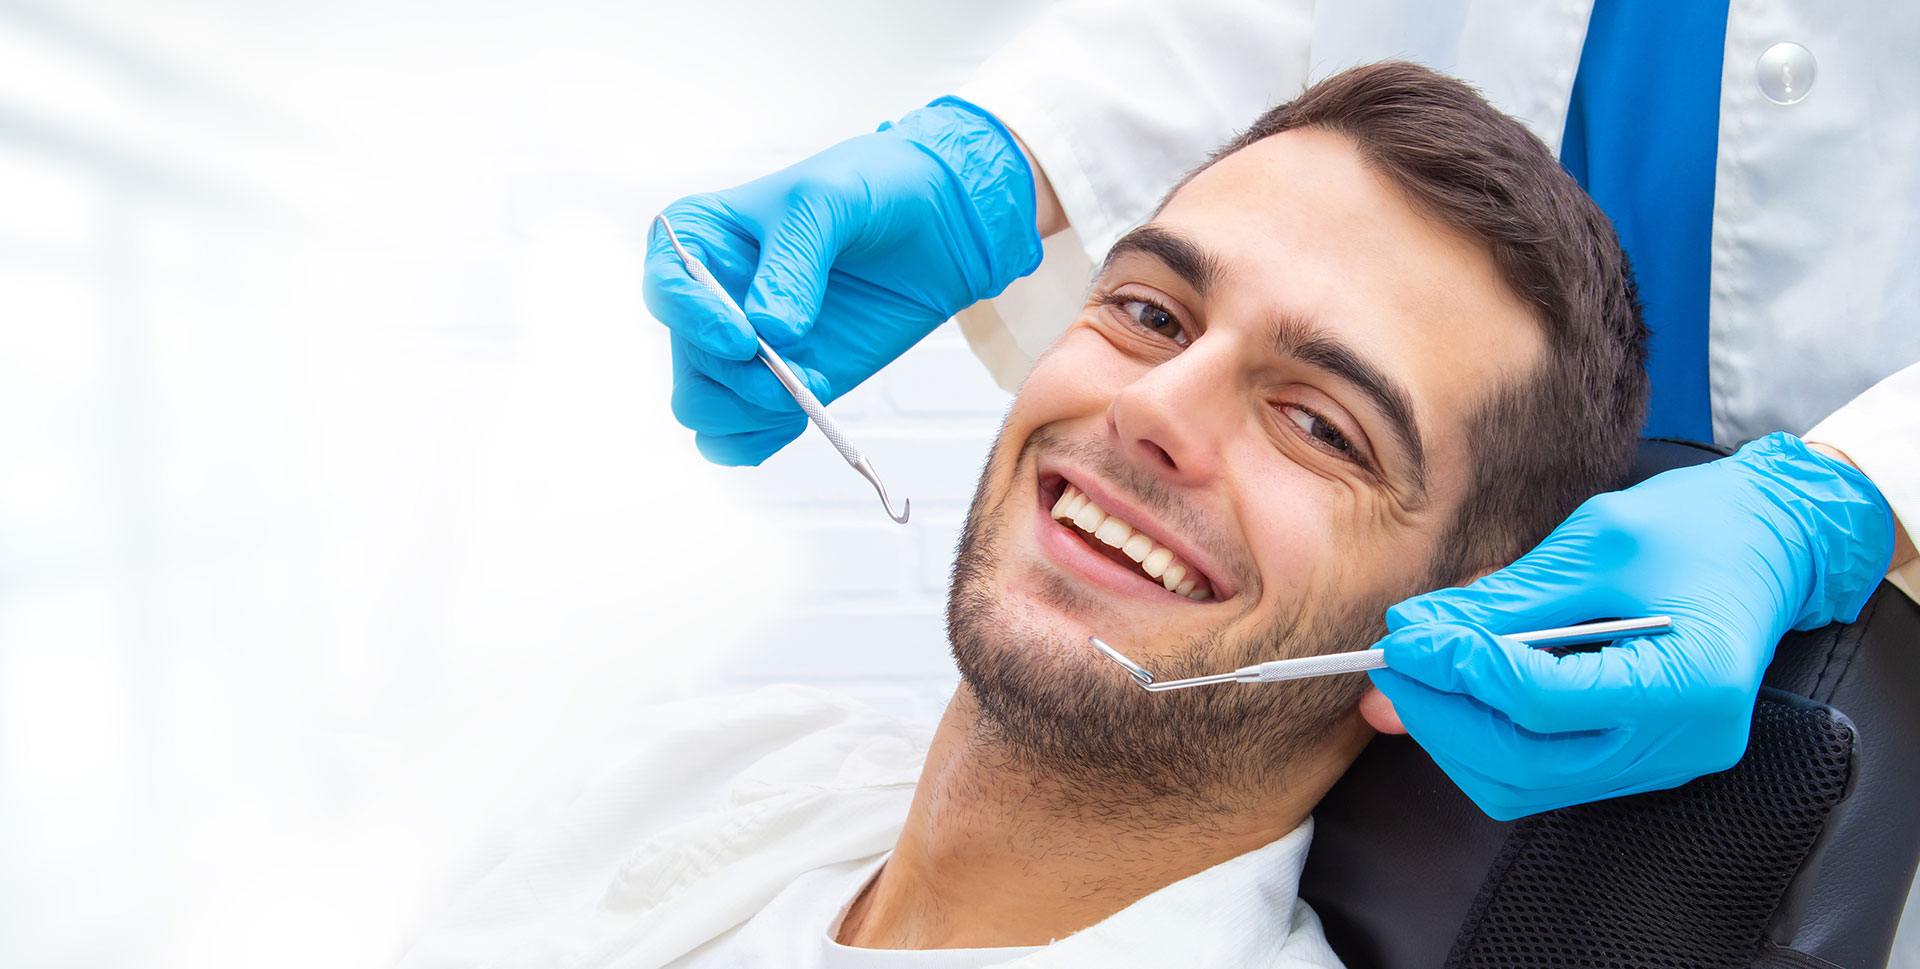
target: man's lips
<point>1150,566</point>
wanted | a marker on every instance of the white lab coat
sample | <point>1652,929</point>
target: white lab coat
<point>1815,286</point>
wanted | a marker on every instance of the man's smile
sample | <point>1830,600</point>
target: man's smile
<point>1086,527</point>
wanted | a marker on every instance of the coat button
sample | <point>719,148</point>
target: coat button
<point>1786,73</point>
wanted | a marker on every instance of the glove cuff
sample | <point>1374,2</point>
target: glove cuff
<point>985,162</point>
<point>1847,523</point>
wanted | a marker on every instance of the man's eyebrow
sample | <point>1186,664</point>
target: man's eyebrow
<point>1297,337</point>
<point>1188,259</point>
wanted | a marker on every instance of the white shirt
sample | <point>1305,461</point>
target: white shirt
<point>797,930</point>
<point>1815,267</point>
<point>731,802</point>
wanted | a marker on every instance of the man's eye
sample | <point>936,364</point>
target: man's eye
<point>1150,315</point>
<point>1322,430</point>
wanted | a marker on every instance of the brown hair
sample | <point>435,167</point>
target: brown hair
<point>1545,443</point>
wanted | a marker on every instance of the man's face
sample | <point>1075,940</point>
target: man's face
<point>1270,386</point>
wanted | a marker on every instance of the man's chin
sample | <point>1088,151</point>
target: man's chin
<point>1054,704</point>
<point>1047,701</point>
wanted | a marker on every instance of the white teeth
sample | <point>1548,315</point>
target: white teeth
<point>1066,498</point>
<point>1172,576</point>
<point>1089,517</point>
<point>1073,507</point>
<point>1157,561</point>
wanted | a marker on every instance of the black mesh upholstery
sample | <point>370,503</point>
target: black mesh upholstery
<point>1687,878</point>
<point>1404,869</point>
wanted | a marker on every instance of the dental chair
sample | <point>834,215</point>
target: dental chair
<point>1799,856</point>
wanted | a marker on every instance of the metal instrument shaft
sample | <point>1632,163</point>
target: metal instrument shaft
<point>1354,661</point>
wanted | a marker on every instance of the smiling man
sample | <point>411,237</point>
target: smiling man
<point>1381,343</point>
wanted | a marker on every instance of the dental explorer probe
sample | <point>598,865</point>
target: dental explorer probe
<point>1354,661</point>
<point>816,412</point>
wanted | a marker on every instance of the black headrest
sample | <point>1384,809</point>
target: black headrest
<point>1406,872</point>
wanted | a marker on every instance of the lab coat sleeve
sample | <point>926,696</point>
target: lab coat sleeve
<point>1116,100</point>
<point>1879,431</point>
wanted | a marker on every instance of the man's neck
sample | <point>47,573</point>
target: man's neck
<point>995,854</point>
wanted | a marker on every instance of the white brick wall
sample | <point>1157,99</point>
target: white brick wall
<point>870,615</point>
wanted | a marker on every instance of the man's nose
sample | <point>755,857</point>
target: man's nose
<point>1175,417</point>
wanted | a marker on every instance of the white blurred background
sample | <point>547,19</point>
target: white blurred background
<point>342,517</point>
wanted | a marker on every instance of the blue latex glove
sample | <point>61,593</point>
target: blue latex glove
<point>1739,551</point>
<point>841,263</point>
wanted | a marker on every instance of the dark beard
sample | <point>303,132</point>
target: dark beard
<point>1061,710</point>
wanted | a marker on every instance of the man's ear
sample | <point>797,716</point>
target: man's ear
<point>1378,711</point>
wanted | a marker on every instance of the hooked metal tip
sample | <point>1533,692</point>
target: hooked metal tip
<point>1135,670</point>
<point>867,472</point>
<point>906,507</point>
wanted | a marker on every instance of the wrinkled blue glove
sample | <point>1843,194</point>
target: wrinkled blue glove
<point>1739,551</point>
<point>841,263</point>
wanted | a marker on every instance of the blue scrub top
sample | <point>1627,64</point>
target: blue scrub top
<point>1642,135</point>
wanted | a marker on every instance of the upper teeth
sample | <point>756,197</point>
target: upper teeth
<point>1155,559</point>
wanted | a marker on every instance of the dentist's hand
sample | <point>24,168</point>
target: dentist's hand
<point>1739,551</point>
<point>841,263</point>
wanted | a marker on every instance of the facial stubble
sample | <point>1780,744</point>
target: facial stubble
<point>1050,704</point>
